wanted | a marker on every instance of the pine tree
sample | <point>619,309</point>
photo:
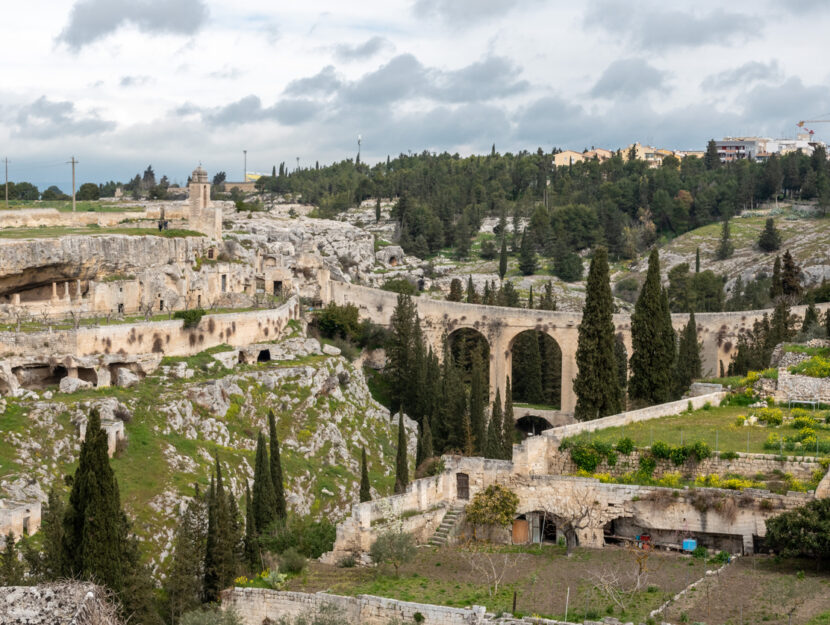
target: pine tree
<point>365,488</point>
<point>688,365</point>
<point>725,247</point>
<point>508,424</point>
<point>477,402</point>
<point>493,447</point>
<point>597,383</point>
<point>776,288</point>
<point>401,465</point>
<point>527,255</point>
<point>281,509</point>
<point>503,257</point>
<point>770,239</point>
<point>11,568</point>
<point>697,260</point>
<point>95,529</point>
<point>810,318</point>
<point>621,358</point>
<point>653,347</point>
<point>183,584</point>
<point>251,543</point>
<point>711,160</point>
<point>264,501</point>
<point>790,275</point>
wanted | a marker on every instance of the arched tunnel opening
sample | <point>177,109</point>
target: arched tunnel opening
<point>470,350</point>
<point>531,425</point>
<point>536,374</point>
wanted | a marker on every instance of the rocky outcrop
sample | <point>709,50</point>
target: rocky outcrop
<point>73,602</point>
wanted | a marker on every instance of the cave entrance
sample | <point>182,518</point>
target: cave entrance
<point>531,425</point>
<point>264,355</point>
<point>277,287</point>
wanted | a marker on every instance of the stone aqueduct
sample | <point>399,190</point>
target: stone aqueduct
<point>718,332</point>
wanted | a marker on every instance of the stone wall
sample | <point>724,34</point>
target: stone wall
<point>253,605</point>
<point>19,518</point>
<point>803,387</point>
<point>747,465</point>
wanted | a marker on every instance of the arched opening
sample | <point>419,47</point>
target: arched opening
<point>393,261</point>
<point>536,374</point>
<point>470,349</point>
<point>534,527</point>
<point>531,425</point>
<point>264,355</point>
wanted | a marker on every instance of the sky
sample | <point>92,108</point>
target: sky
<point>121,84</point>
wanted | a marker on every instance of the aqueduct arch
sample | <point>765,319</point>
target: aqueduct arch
<point>717,332</point>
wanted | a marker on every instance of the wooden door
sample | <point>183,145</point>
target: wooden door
<point>462,485</point>
<point>520,532</point>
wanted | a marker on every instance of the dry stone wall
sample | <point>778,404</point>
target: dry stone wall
<point>803,388</point>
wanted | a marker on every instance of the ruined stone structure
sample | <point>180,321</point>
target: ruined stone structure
<point>19,518</point>
<point>500,326</point>
<point>721,519</point>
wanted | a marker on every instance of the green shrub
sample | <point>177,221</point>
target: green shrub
<point>495,505</point>
<point>700,450</point>
<point>625,446</point>
<point>292,561</point>
<point>728,455</point>
<point>805,421</point>
<point>400,285</point>
<point>770,416</point>
<point>310,537</point>
<point>347,562</point>
<point>585,457</point>
<point>339,321</point>
<point>722,557</point>
<point>679,455</point>
<point>661,450</point>
<point>395,548</point>
<point>700,552</point>
<point>212,615</point>
<point>191,317</point>
<point>816,367</point>
<point>647,465</point>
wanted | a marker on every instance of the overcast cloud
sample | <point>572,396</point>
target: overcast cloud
<point>124,83</point>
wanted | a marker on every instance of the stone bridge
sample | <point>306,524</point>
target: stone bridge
<point>718,332</point>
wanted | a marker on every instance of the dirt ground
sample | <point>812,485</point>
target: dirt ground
<point>760,590</point>
<point>544,579</point>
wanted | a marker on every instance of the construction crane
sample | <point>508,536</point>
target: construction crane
<point>803,124</point>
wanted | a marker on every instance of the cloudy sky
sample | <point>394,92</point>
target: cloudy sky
<point>121,84</point>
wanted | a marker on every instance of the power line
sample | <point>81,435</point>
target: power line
<point>73,162</point>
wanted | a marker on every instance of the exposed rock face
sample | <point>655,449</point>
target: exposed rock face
<point>79,257</point>
<point>71,385</point>
<point>64,602</point>
<point>125,378</point>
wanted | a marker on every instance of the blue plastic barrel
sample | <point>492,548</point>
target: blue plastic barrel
<point>689,544</point>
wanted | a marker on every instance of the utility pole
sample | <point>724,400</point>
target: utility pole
<point>245,166</point>
<point>73,163</point>
<point>7,181</point>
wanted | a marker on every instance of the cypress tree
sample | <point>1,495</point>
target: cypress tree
<point>183,585</point>
<point>790,276</point>
<point>467,447</point>
<point>399,350</point>
<point>551,375</point>
<point>95,530</point>
<point>697,260</point>
<point>11,568</point>
<point>472,296</point>
<point>725,247</point>
<point>689,365</point>
<point>365,489</point>
<point>52,529</point>
<point>770,239</point>
<point>477,391</point>
<point>597,384</point>
<point>780,329</point>
<point>456,291</point>
<point>251,544</point>
<point>211,584</point>
<point>401,466</point>
<point>221,555</point>
<point>508,424</point>
<point>653,347</point>
<point>377,209</point>
<point>527,255</point>
<point>530,298</point>
<point>528,368</point>
<point>503,257</point>
<point>621,358</point>
<point>453,407</point>
<point>776,288</point>
<point>426,439</point>
<point>264,501</point>
<point>827,322</point>
<point>281,510</point>
<point>810,317</point>
<point>494,447</point>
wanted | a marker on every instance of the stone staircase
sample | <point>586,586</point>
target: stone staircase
<point>448,523</point>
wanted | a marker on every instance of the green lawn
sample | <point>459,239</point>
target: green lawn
<point>49,232</point>
<point>65,206</point>
<point>715,426</point>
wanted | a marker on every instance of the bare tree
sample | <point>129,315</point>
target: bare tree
<point>575,510</point>
<point>76,317</point>
<point>609,584</point>
<point>146,309</point>
<point>490,566</point>
<point>171,300</point>
<point>20,315</point>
